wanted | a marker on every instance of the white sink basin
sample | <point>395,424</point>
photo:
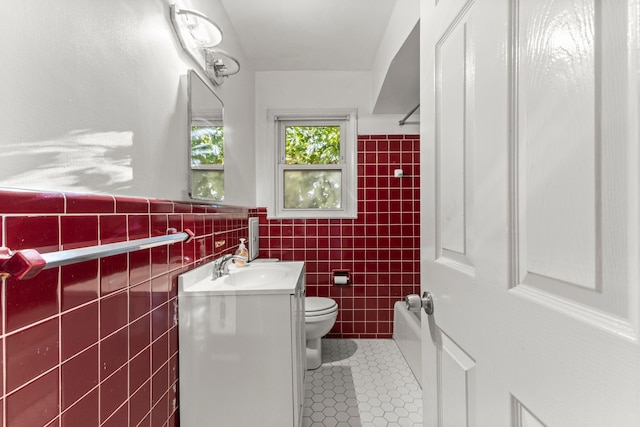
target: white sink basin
<point>264,278</point>
<point>254,275</point>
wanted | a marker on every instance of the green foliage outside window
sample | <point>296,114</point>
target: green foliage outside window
<point>312,145</point>
<point>314,189</point>
<point>207,184</point>
<point>207,149</point>
<point>307,188</point>
<point>207,145</point>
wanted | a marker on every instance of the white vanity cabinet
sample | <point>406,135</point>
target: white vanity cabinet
<point>241,350</point>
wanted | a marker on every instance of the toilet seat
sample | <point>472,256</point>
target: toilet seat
<point>319,306</point>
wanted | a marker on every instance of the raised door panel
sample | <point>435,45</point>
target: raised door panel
<point>457,389</point>
<point>454,144</point>
<point>571,146</point>
<point>522,417</point>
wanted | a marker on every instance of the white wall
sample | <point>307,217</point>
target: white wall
<point>312,90</point>
<point>91,99</point>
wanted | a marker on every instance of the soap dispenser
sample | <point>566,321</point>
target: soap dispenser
<point>243,252</point>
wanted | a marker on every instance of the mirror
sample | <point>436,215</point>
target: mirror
<point>206,140</point>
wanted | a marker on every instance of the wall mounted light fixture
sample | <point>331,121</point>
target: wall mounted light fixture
<point>199,35</point>
<point>220,63</point>
<point>202,30</point>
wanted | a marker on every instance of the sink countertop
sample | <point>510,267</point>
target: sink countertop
<point>198,281</point>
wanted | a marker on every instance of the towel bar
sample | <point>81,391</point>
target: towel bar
<point>27,263</point>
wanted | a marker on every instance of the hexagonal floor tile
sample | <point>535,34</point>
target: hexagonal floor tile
<point>362,383</point>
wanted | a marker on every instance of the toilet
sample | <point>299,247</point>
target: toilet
<point>320,316</point>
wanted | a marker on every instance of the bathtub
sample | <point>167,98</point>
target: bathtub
<point>406,334</point>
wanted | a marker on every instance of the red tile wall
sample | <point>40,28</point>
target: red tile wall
<point>96,343</point>
<point>381,248</point>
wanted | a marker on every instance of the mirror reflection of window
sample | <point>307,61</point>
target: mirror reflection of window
<point>207,159</point>
<point>206,155</point>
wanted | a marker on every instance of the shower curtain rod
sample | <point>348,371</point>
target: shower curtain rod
<point>404,120</point>
<point>27,263</point>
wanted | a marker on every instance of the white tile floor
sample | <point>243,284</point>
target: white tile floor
<point>362,383</point>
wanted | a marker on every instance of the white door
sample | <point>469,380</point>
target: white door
<point>531,219</point>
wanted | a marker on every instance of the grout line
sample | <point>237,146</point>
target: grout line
<point>77,402</point>
<point>128,399</point>
<point>114,412</point>
<point>98,320</point>
<point>31,381</point>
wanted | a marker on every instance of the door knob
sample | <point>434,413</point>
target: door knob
<point>415,302</point>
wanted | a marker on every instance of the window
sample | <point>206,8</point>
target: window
<point>316,170</point>
<point>207,159</point>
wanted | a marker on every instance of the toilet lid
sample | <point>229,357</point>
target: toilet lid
<point>317,306</point>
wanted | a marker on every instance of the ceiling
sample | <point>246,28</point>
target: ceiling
<point>317,35</point>
<point>328,35</point>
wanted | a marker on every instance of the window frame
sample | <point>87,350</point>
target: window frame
<point>347,121</point>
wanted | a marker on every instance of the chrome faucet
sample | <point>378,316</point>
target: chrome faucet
<point>221,265</point>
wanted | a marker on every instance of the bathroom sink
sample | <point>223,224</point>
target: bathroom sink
<point>251,325</point>
<point>254,275</point>
<point>258,278</point>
